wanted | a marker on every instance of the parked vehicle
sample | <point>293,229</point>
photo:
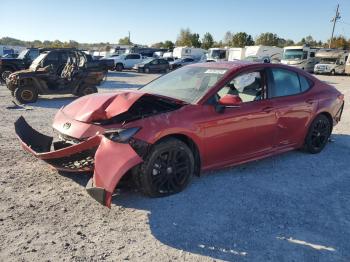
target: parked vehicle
<point>153,65</point>
<point>302,57</point>
<point>236,53</point>
<point>183,52</point>
<point>47,76</point>
<point>169,59</point>
<point>331,61</point>
<point>347,66</point>
<point>260,53</point>
<point>181,62</point>
<point>199,117</point>
<point>217,54</point>
<point>23,61</point>
<point>12,55</point>
<point>126,61</point>
<point>168,54</point>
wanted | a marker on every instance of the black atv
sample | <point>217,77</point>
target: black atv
<point>77,76</point>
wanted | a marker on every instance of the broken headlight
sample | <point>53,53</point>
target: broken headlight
<point>121,135</point>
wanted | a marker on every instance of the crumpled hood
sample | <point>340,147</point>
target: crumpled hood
<point>96,107</point>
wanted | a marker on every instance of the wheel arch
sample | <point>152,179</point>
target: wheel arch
<point>191,144</point>
<point>328,115</point>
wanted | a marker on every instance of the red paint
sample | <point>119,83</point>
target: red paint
<point>254,130</point>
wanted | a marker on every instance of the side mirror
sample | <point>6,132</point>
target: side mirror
<point>228,101</point>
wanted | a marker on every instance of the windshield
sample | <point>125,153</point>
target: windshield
<point>186,83</point>
<point>328,61</point>
<point>294,54</point>
<point>23,54</point>
<point>37,61</point>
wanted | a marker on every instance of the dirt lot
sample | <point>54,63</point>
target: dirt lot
<point>292,207</point>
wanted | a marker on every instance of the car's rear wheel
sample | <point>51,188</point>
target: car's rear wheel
<point>5,74</point>
<point>167,169</point>
<point>87,90</point>
<point>146,70</point>
<point>318,134</point>
<point>119,67</point>
<point>26,94</point>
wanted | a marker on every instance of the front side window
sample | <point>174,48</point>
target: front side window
<point>285,83</point>
<point>248,86</point>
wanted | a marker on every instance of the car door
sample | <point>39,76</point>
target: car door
<point>241,133</point>
<point>293,105</point>
<point>154,65</point>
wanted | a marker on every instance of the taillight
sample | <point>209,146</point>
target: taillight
<point>341,97</point>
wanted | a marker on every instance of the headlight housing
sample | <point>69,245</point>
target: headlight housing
<point>121,135</point>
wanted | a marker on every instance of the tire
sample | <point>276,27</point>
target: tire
<point>5,74</point>
<point>146,70</point>
<point>119,67</point>
<point>157,176</point>
<point>26,94</point>
<point>166,70</point>
<point>318,134</point>
<point>333,73</point>
<point>86,90</point>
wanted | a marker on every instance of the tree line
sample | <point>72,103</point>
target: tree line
<point>187,38</point>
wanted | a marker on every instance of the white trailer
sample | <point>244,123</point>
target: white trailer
<point>331,61</point>
<point>259,53</point>
<point>218,54</point>
<point>183,52</point>
<point>302,57</point>
<point>236,53</point>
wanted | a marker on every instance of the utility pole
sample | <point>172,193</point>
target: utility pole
<point>129,38</point>
<point>334,20</point>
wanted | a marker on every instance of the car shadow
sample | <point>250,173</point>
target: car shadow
<point>291,207</point>
<point>121,74</point>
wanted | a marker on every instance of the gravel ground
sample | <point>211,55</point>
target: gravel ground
<point>292,207</point>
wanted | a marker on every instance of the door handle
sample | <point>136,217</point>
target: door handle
<point>268,109</point>
<point>310,101</point>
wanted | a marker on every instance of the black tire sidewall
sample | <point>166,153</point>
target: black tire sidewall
<point>145,169</point>
<point>18,94</point>
<point>83,87</point>
<point>308,146</point>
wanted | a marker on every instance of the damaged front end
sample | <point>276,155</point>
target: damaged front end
<point>109,155</point>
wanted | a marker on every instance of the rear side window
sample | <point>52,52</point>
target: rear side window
<point>285,83</point>
<point>304,83</point>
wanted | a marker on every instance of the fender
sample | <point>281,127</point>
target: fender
<point>112,161</point>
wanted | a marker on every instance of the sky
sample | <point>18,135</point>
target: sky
<point>151,21</point>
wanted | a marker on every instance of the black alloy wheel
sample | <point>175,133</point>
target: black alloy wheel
<point>167,169</point>
<point>318,135</point>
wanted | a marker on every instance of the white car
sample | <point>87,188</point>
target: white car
<point>126,61</point>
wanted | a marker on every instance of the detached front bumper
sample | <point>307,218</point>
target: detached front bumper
<point>109,160</point>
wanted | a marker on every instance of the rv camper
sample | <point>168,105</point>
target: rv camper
<point>236,53</point>
<point>302,57</point>
<point>217,54</point>
<point>331,61</point>
<point>260,53</point>
<point>183,52</point>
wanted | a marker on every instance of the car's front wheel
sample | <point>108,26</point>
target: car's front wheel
<point>167,169</point>
<point>318,134</point>
<point>119,67</point>
<point>26,94</point>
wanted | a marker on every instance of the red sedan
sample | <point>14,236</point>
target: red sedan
<point>199,117</point>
